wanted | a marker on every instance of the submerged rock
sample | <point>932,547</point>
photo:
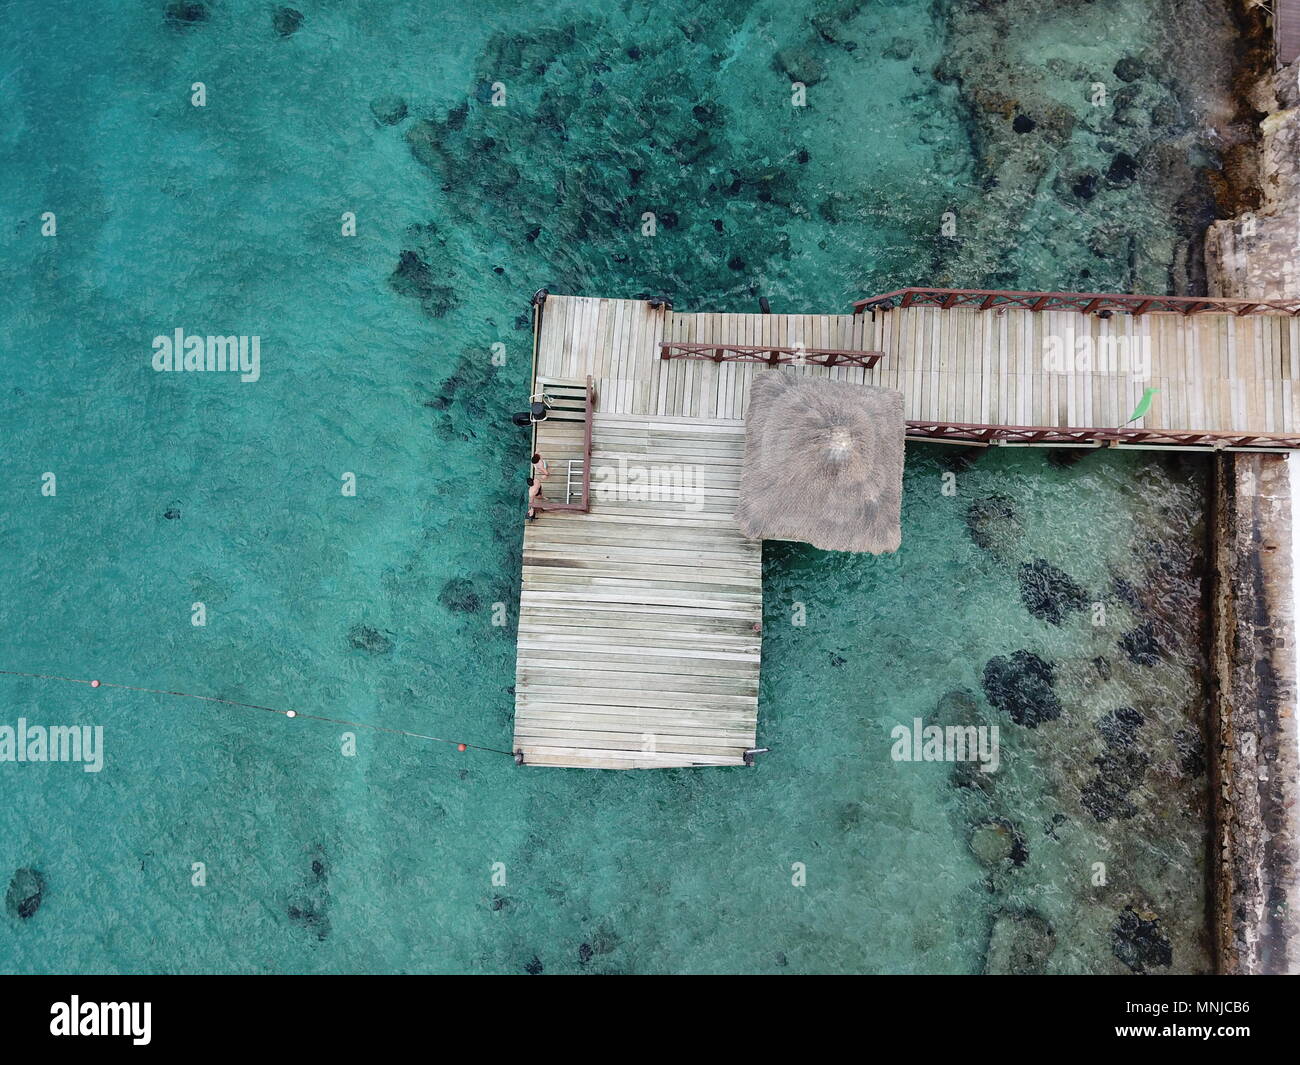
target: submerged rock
<point>1130,68</point>
<point>368,639</point>
<point>1122,170</point>
<point>1083,187</point>
<point>388,110</point>
<point>584,953</point>
<point>310,906</point>
<point>1138,942</point>
<point>1020,944</point>
<point>185,14</point>
<point>1141,644</point>
<point>1120,727</point>
<point>800,64</point>
<point>1170,560</point>
<point>994,525</point>
<point>1126,593</point>
<point>997,842</point>
<point>458,594</point>
<point>26,890</point>
<point>286,21</point>
<point>1191,752</point>
<point>533,967</point>
<point>1119,772</point>
<point>1022,687</point>
<point>311,914</point>
<point>413,278</point>
<point>470,402</point>
<point>970,777</point>
<point>1049,593</point>
<point>172,513</point>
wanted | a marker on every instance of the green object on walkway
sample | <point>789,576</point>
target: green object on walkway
<point>1144,405</point>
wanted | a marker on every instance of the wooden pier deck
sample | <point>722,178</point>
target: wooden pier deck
<point>639,625</point>
<point>1216,373</point>
<point>638,622</point>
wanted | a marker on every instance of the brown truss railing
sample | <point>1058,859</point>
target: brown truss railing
<point>772,356</point>
<point>1044,434</point>
<point>984,299</point>
<point>538,503</point>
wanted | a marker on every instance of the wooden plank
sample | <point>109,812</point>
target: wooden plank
<point>579,758</point>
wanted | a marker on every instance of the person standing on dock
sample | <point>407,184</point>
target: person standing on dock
<point>534,490</point>
<point>540,471</point>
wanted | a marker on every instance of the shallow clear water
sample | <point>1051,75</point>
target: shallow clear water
<point>377,608</point>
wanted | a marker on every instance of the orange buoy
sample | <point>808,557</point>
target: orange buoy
<point>94,684</point>
<point>461,747</point>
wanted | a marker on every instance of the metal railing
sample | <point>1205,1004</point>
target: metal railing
<point>771,356</point>
<point>984,299</point>
<point>1045,434</point>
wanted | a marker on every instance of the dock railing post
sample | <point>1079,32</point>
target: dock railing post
<point>586,445</point>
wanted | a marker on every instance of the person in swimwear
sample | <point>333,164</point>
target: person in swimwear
<point>540,471</point>
<point>534,490</point>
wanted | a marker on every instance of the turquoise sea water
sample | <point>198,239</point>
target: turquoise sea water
<point>174,489</point>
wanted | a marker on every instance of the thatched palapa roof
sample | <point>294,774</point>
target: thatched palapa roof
<point>823,463</point>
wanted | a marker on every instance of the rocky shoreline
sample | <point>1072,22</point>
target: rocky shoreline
<point>1254,773</point>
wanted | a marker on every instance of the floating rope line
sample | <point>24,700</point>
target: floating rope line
<point>256,706</point>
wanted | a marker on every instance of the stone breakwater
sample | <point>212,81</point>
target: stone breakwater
<point>1254,867</point>
<point>1253,768</point>
<point>1258,252</point>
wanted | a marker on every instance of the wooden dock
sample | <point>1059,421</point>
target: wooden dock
<point>639,627</point>
<point>639,620</point>
<point>1217,373</point>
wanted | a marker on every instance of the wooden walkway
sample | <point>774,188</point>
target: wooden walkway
<point>639,623</point>
<point>1214,372</point>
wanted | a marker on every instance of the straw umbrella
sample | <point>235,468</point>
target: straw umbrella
<point>823,463</point>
